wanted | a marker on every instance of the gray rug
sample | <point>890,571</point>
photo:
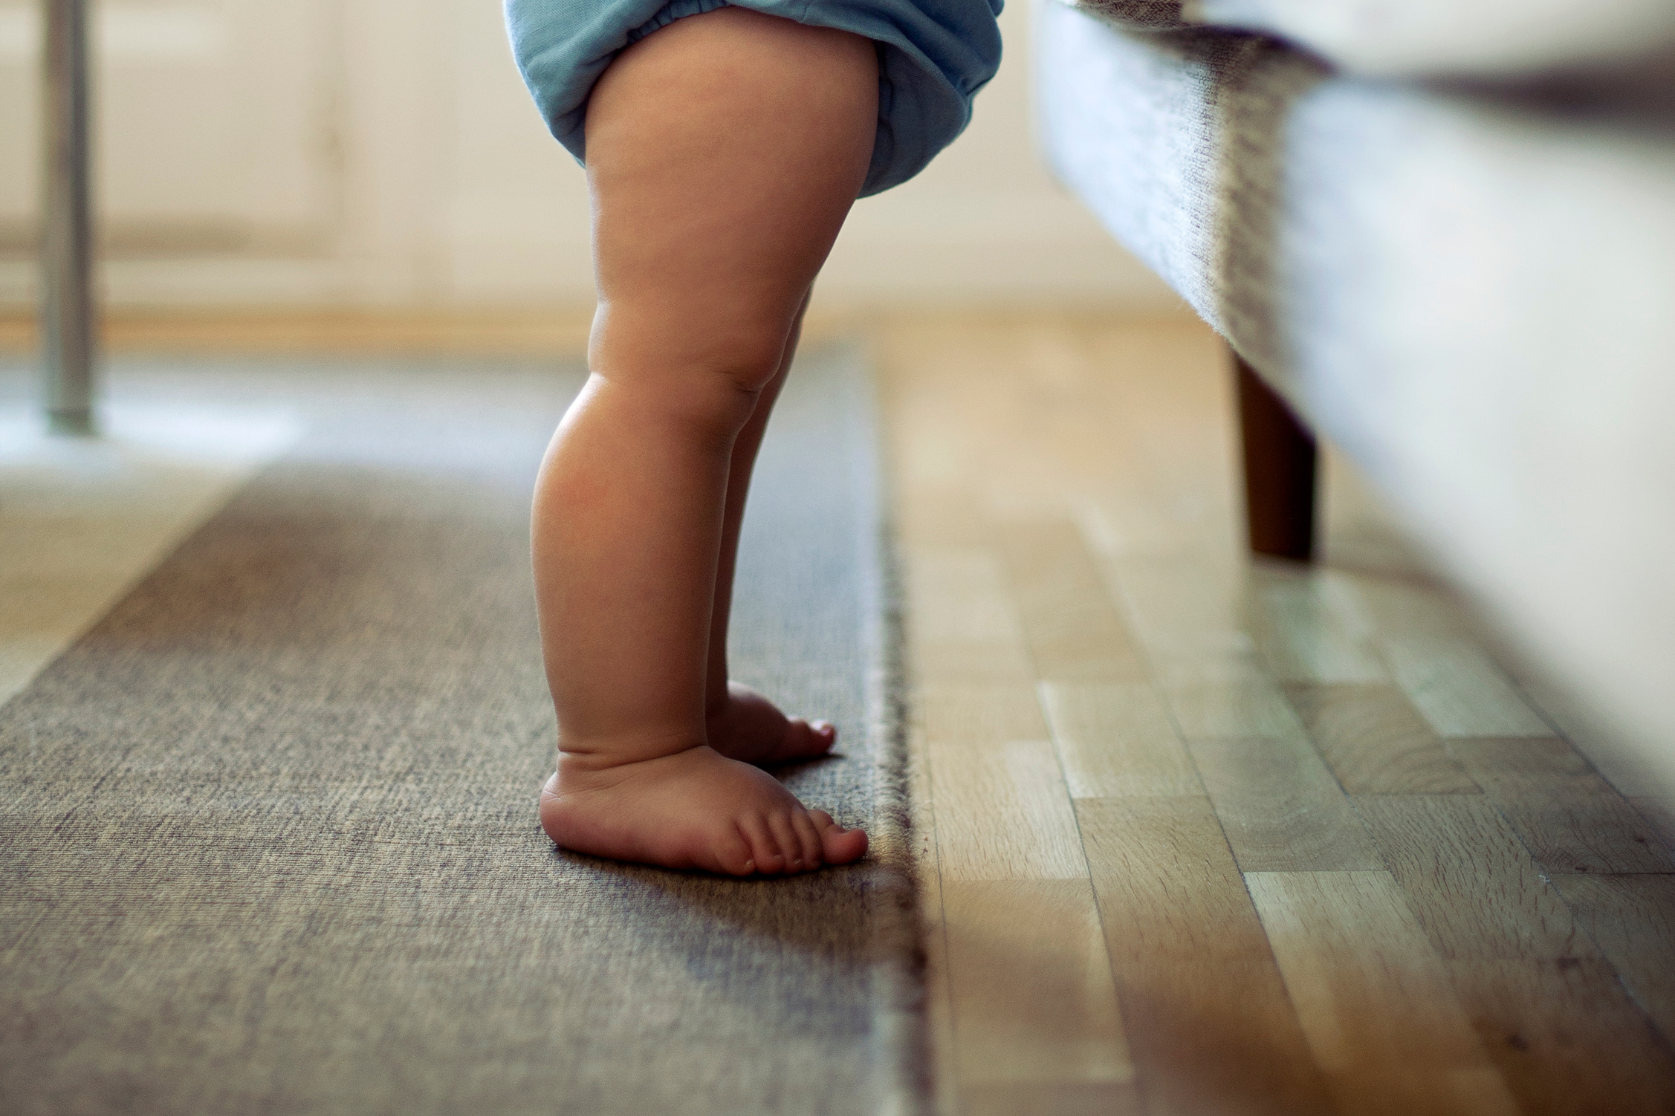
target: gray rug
<point>268,838</point>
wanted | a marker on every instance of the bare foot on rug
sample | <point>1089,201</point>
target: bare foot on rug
<point>693,809</point>
<point>750,728</point>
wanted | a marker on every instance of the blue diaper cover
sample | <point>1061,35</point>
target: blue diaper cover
<point>935,55</point>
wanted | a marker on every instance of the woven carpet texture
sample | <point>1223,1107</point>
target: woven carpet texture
<point>268,840</point>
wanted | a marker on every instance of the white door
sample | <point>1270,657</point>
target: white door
<point>215,126</point>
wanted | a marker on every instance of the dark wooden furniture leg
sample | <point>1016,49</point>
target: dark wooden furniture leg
<point>1279,454</point>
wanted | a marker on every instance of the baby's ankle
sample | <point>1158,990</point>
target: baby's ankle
<point>602,754</point>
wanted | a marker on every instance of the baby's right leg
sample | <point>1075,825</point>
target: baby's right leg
<point>724,152</point>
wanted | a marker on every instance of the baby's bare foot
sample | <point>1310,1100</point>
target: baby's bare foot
<point>751,728</point>
<point>694,809</point>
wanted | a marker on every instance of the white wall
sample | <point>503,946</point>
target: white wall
<point>985,220</point>
<point>448,192</point>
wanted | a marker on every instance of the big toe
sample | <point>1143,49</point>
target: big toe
<point>837,844</point>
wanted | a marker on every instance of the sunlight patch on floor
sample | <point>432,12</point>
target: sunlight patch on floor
<point>83,519</point>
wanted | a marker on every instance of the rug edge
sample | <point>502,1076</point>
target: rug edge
<point>899,1026</point>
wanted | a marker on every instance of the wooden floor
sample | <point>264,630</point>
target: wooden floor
<point>1202,837</point>
<point>1206,837</point>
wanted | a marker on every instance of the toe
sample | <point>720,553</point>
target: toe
<point>809,738</point>
<point>839,845</point>
<point>732,853</point>
<point>813,855</point>
<point>779,824</point>
<point>764,849</point>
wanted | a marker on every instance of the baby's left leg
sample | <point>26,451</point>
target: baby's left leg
<point>743,724</point>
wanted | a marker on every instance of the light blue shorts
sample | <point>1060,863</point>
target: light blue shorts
<point>935,55</point>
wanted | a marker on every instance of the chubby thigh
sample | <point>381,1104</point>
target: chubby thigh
<point>934,55</point>
<point>711,215</point>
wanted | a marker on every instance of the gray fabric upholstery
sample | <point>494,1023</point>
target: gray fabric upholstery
<point>1144,15</point>
<point>1440,38</point>
<point>1459,38</point>
<point>1472,296</point>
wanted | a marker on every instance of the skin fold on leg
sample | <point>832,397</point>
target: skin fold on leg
<point>724,152</point>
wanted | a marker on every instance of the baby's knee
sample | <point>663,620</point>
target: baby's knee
<point>711,372</point>
<point>719,392</point>
<point>742,355</point>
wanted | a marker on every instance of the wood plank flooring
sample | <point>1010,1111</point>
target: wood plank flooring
<point>1207,837</point>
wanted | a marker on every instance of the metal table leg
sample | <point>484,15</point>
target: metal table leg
<point>68,315</point>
